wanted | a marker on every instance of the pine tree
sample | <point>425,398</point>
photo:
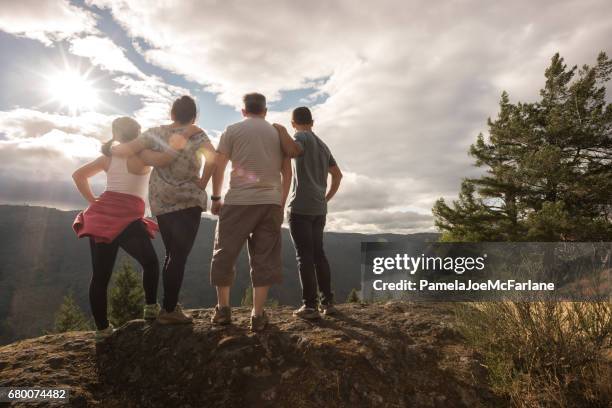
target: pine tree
<point>126,296</point>
<point>353,297</point>
<point>70,317</point>
<point>247,299</point>
<point>548,166</point>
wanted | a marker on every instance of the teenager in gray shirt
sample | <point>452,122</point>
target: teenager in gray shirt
<point>308,209</point>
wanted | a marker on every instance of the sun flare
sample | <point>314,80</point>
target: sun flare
<point>73,91</point>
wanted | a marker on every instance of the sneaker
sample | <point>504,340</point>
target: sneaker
<point>104,333</point>
<point>308,313</point>
<point>259,323</point>
<point>221,315</point>
<point>177,316</point>
<point>329,310</point>
<point>151,312</point>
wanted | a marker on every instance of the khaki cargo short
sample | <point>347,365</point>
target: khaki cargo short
<point>259,226</point>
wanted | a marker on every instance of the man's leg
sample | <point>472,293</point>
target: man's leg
<point>233,228</point>
<point>265,253</point>
<point>260,295</point>
<point>300,227</point>
<point>223,296</point>
<point>321,264</point>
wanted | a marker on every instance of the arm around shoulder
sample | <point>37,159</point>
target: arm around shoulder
<point>128,149</point>
<point>290,147</point>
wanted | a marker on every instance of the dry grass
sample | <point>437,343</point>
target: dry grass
<point>544,354</point>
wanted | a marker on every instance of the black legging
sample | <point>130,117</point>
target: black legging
<point>136,242</point>
<point>178,230</point>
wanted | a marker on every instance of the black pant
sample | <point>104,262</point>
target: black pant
<point>136,242</point>
<point>178,230</point>
<point>307,236</point>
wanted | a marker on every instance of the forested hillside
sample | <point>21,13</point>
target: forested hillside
<point>41,260</point>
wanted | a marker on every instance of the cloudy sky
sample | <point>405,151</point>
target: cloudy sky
<point>399,89</point>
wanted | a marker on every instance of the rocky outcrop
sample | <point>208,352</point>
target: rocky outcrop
<point>387,355</point>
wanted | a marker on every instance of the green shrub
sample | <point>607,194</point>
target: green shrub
<point>544,353</point>
<point>70,317</point>
<point>126,298</point>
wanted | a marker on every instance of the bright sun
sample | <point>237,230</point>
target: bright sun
<point>73,91</point>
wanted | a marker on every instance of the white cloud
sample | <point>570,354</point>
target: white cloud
<point>29,124</point>
<point>103,53</point>
<point>377,220</point>
<point>39,152</point>
<point>155,95</point>
<point>45,21</point>
<point>409,84</point>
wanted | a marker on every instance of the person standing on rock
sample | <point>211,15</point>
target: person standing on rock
<point>116,220</point>
<point>252,210</point>
<point>176,193</point>
<point>308,209</point>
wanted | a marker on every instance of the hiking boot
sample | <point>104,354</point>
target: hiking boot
<point>177,316</point>
<point>309,313</point>
<point>150,312</point>
<point>221,315</point>
<point>104,333</point>
<point>329,309</point>
<point>259,323</point>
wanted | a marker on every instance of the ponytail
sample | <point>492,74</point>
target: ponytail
<point>124,129</point>
<point>106,148</point>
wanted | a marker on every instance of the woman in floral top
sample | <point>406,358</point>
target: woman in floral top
<point>177,194</point>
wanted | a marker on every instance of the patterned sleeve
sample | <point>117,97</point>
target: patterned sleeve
<point>199,139</point>
<point>152,139</point>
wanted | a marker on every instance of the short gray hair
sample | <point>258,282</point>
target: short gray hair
<point>254,103</point>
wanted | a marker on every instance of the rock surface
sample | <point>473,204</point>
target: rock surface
<point>388,355</point>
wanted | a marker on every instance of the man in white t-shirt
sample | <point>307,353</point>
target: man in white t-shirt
<point>252,210</point>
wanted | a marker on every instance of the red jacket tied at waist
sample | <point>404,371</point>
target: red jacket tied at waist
<point>105,219</point>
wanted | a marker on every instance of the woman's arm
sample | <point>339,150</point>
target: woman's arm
<point>82,175</point>
<point>156,159</point>
<point>210,156</point>
<point>162,159</point>
<point>128,149</point>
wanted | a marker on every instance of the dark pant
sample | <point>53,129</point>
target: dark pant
<point>136,242</point>
<point>178,230</point>
<point>307,236</point>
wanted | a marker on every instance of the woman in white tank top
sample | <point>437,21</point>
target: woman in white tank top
<point>121,180</point>
<point>116,220</point>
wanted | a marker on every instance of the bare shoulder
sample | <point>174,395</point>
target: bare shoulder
<point>103,161</point>
<point>135,165</point>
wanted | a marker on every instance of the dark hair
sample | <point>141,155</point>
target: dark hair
<point>124,129</point>
<point>184,109</point>
<point>254,103</point>
<point>302,116</point>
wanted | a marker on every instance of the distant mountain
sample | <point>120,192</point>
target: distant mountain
<point>41,260</point>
